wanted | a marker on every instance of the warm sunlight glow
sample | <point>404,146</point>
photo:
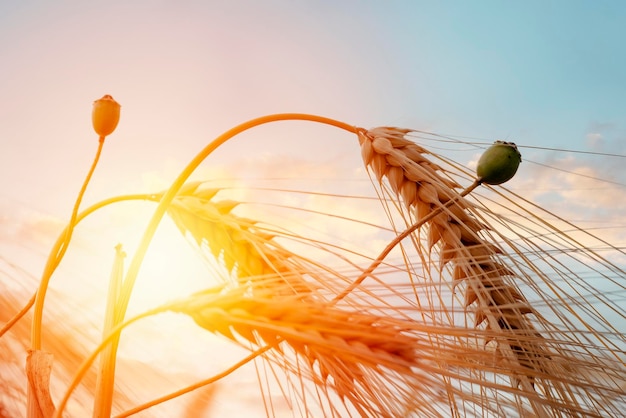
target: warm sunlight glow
<point>172,268</point>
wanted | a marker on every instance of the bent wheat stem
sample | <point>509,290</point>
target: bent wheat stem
<point>167,198</point>
<point>57,255</point>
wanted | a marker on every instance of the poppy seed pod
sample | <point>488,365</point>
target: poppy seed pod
<point>499,163</point>
<point>105,115</point>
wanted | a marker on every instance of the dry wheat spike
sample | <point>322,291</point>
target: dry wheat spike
<point>246,248</point>
<point>417,180</point>
<point>377,366</point>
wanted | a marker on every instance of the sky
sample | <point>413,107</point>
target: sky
<point>539,73</point>
<point>548,75</point>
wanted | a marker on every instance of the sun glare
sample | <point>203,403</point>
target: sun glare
<point>172,269</point>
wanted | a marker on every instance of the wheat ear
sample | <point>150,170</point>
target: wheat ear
<point>379,365</point>
<point>425,188</point>
<point>246,248</point>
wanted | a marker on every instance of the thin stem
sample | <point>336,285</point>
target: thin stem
<point>60,250</point>
<point>18,315</point>
<point>385,252</point>
<point>197,385</point>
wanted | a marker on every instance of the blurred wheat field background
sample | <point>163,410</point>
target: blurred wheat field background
<point>493,307</point>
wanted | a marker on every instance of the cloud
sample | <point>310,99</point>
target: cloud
<point>607,137</point>
<point>594,140</point>
<point>572,188</point>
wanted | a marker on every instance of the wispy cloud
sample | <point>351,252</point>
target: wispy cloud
<point>594,140</point>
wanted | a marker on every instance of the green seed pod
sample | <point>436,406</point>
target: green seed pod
<point>499,163</point>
